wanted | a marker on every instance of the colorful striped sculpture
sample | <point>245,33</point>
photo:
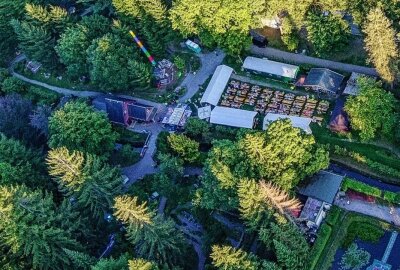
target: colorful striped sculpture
<point>139,43</point>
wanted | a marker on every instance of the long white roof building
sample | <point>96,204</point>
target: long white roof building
<point>232,117</point>
<point>271,67</point>
<point>216,87</point>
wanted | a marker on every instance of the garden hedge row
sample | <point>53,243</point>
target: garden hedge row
<point>389,196</point>
<point>355,185</point>
<point>333,215</point>
<point>325,232</point>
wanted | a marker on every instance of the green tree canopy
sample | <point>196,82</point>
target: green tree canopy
<point>36,42</point>
<point>114,66</point>
<point>291,248</point>
<point>78,126</point>
<point>184,147</point>
<point>328,33</point>
<point>229,258</point>
<point>355,258</point>
<point>381,45</point>
<point>33,232</point>
<point>71,49</point>
<point>9,9</point>
<point>373,111</point>
<point>120,263</point>
<point>197,129</point>
<point>283,155</point>
<point>20,165</point>
<point>154,238</point>
<point>85,178</point>
<point>140,264</point>
<point>223,22</point>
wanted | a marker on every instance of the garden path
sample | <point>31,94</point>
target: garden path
<point>382,212</point>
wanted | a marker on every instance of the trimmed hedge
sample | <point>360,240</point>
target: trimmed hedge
<point>361,187</point>
<point>391,197</point>
<point>324,233</point>
<point>365,231</point>
<point>333,215</point>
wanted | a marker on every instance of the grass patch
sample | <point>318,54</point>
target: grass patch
<point>52,80</point>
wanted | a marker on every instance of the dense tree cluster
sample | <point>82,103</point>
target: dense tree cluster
<point>78,126</point>
<point>374,111</point>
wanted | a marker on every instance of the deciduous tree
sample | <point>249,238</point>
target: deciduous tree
<point>71,49</point>
<point>114,66</point>
<point>355,258</point>
<point>225,23</point>
<point>184,147</point>
<point>373,111</point>
<point>77,126</point>
<point>328,33</point>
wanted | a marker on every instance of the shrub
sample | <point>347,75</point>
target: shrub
<point>179,63</point>
<point>42,96</point>
<point>323,236</point>
<point>13,85</point>
<point>125,156</point>
<point>391,197</point>
<point>162,143</point>
<point>381,168</point>
<point>361,187</point>
<point>365,231</point>
<point>333,215</point>
<point>126,136</point>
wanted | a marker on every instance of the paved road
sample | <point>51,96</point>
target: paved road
<point>370,209</point>
<point>209,63</point>
<point>145,166</point>
<point>303,59</point>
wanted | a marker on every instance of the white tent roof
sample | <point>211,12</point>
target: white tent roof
<point>232,117</point>
<point>217,85</point>
<point>271,67</point>
<point>204,112</point>
<point>299,122</point>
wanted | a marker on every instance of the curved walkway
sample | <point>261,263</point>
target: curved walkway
<point>303,59</point>
<point>59,90</point>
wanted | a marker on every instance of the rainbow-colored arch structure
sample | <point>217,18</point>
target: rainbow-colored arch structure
<point>144,50</point>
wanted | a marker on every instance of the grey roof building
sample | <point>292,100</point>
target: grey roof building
<point>324,80</point>
<point>323,186</point>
